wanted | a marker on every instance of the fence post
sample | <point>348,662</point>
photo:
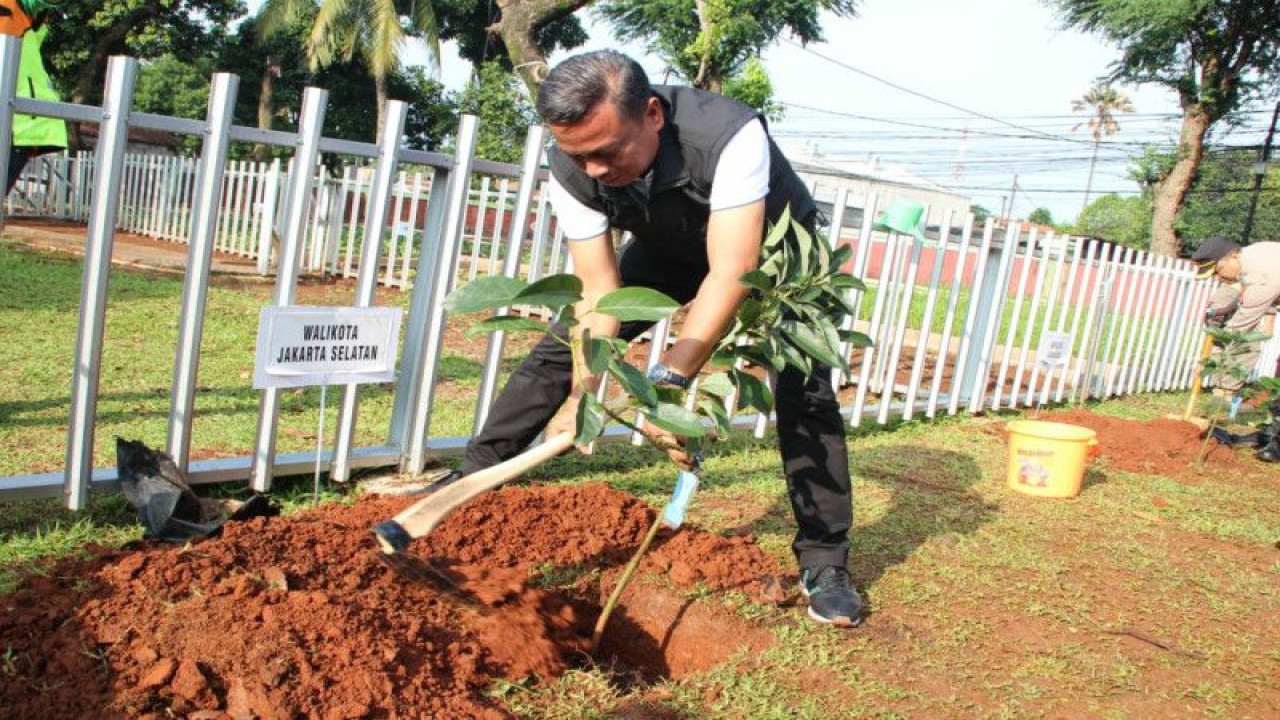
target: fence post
<point>374,225</point>
<point>114,133</point>
<point>515,240</point>
<point>267,216</point>
<point>310,128</point>
<point>438,263</point>
<point>10,57</point>
<point>195,287</point>
<point>985,311</point>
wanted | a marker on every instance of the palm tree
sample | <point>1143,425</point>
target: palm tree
<point>341,29</point>
<point>1105,101</point>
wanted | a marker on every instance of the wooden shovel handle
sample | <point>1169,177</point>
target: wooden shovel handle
<point>423,516</point>
<point>1205,350</point>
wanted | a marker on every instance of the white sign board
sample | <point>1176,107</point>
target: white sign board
<point>1054,350</point>
<point>299,345</point>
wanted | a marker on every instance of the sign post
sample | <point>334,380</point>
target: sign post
<point>303,345</point>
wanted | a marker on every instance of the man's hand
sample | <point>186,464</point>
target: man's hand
<point>672,445</point>
<point>1217,317</point>
<point>1222,304</point>
<point>566,420</point>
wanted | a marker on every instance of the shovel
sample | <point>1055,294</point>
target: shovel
<point>1196,380</point>
<point>420,518</point>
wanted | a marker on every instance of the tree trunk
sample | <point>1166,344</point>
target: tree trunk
<point>1170,192</point>
<point>380,88</point>
<point>267,104</point>
<point>517,28</point>
<point>109,42</point>
<point>704,36</point>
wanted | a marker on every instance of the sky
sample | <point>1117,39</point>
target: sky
<point>974,96</point>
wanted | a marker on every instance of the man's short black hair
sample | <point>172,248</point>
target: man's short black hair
<point>578,84</point>
<point>1214,249</point>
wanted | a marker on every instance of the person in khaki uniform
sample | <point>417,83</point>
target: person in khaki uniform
<point>1249,294</point>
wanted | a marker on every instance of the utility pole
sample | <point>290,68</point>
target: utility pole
<point>1013,192</point>
<point>1259,172</point>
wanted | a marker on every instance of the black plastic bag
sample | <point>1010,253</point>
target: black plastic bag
<point>167,507</point>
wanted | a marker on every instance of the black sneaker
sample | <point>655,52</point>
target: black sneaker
<point>831,599</point>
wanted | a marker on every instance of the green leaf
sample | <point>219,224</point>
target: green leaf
<point>753,392</point>
<point>716,385</point>
<point>488,293</point>
<point>637,303</point>
<point>774,351</point>
<point>619,345</point>
<point>804,250</point>
<point>553,291</point>
<point>842,255</point>
<point>676,419</point>
<point>590,420</point>
<point>856,339</point>
<point>716,411</point>
<point>838,303</point>
<point>820,343</point>
<point>595,354</point>
<point>634,382</point>
<point>773,266</point>
<point>754,354</point>
<point>506,323</point>
<point>567,315</point>
<point>723,357</point>
<point>756,280</point>
<point>794,357</point>
<point>669,394</point>
<point>749,311</point>
<point>778,233</point>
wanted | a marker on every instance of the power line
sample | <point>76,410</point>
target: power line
<point>930,98</point>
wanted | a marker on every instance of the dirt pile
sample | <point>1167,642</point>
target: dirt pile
<point>298,616</point>
<point>1159,447</point>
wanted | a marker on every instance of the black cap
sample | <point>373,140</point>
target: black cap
<point>1214,249</point>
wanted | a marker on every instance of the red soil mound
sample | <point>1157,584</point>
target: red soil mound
<point>1157,447</point>
<point>298,617</point>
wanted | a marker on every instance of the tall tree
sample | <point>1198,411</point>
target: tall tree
<point>472,24</point>
<point>709,41</point>
<point>84,35</point>
<point>273,71</point>
<point>519,25</point>
<point>1104,101</point>
<point>351,94</point>
<point>497,96</point>
<point>753,87</point>
<point>1124,221</point>
<point>1219,199</point>
<point>1215,54</point>
<point>342,30</point>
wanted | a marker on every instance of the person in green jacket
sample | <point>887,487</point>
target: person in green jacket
<point>32,135</point>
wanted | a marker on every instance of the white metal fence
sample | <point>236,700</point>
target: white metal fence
<point>968,320</point>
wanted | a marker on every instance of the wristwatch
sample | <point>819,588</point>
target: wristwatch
<point>660,374</point>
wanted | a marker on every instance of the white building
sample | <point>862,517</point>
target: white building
<point>827,175</point>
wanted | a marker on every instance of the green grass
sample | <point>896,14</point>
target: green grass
<point>992,604</point>
<point>38,298</point>
<point>989,603</point>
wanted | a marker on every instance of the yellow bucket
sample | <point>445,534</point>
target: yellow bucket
<point>1047,458</point>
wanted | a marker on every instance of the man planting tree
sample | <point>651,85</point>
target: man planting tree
<point>694,177</point>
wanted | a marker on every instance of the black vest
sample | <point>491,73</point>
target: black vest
<point>670,207</point>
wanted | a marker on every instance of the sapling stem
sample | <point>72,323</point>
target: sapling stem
<point>623,580</point>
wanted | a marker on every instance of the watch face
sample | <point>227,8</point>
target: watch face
<point>662,374</point>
